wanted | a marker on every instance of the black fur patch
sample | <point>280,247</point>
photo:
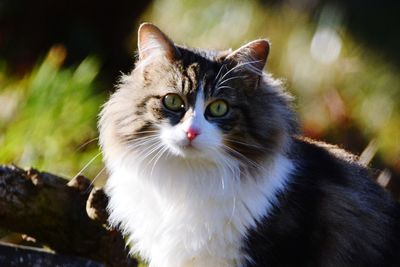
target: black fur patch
<point>332,214</point>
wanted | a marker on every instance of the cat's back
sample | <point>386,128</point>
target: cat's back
<point>332,214</point>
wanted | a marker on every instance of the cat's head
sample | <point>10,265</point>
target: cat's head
<point>195,104</point>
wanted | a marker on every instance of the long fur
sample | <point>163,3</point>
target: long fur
<point>247,191</point>
<point>190,218</point>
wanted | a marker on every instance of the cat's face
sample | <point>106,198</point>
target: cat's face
<point>201,105</point>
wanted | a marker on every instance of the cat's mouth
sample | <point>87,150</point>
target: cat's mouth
<point>187,149</point>
<point>190,150</point>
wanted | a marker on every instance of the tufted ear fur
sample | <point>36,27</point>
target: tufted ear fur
<point>253,55</point>
<point>152,41</point>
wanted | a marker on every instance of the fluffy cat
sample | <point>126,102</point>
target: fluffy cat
<point>207,168</point>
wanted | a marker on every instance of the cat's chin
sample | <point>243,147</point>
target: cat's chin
<point>189,151</point>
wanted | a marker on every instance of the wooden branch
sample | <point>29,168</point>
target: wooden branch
<point>20,256</point>
<point>53,211</point>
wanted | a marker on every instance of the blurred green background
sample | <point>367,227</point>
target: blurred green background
<point>59,61</point>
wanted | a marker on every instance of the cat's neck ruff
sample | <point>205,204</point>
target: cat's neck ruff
<point>179,214</point>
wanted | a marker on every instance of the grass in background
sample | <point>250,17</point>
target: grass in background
<point>49,115</point>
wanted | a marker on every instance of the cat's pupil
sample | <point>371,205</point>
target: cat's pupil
<point>217,108</point>
<point>173,102</point>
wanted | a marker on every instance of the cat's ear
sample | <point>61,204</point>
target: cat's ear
<point>152,41</point>
<point>252,56</point>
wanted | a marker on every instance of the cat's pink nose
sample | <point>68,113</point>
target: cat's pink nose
<point>192,133</point>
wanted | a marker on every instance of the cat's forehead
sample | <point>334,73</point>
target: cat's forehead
<point>203,56</point>
<point>194,71</point>
<point>199,68</point>
<point>201,62</point>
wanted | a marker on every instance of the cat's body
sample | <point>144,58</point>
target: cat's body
<point>206,169</point>
<point>331,214</point>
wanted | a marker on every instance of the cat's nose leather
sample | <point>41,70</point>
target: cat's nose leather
<point>192,133</point>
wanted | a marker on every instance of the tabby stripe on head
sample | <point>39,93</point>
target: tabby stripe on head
<point>142,131</point>
<point>146,99</point>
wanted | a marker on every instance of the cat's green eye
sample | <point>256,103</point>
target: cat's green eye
<point>218,108</point>
<point>173,102</point>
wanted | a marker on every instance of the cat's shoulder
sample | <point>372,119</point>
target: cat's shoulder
<point>330,204</point>
<point>322,163</point>
<point>319,148</point>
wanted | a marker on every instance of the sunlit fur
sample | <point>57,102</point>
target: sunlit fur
<point>192,205</point>
<point>247,191</point>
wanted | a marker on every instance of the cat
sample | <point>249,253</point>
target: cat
<point>208,168</point>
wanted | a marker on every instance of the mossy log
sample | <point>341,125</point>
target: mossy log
<point>53,210</point>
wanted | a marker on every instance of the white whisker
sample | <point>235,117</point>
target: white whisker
<point>98,175</point>
<point>160,147</point>
<point>219,72</point>
<point>86,143</point>
<point>233,209</point>
<point>223,181</point>
<point>234,68</point>
<point>144,137</point>
<point>95,178</point>
<point>160,153</point>
<point>150,131</point>
<point>243,158</point>
<point>150,150</point>
<point>143,142</point>
<point>225,86</point>
<point>229,79</point>
<point>242,143</point>
<point>87,165</point>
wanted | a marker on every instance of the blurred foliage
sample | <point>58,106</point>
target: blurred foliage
<point>345,93</point>
<point>48,115</point>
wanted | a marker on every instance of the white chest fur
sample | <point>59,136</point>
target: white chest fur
<point>190,216</point>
